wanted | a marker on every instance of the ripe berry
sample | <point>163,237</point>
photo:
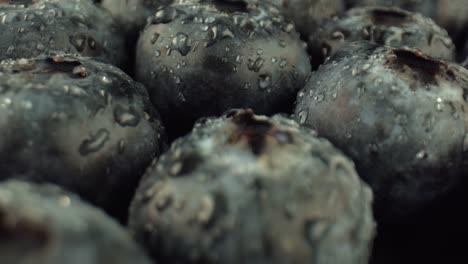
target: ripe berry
<point>424,7</point>
<point>132,14</point>
<point>308,14</point>
<point>399,114</point>
<point>78,123</point>
<point>386,26</point>
<point>449,14</point>
<point>251,189</point>
<point>29,28</point>
<point>200,59</point>
<point>43,224</point>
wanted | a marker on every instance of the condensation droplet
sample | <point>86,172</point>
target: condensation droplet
<point>264,81</point>
<point>126,117</point>
<point>154,38</point>
<point>302,117</point>
<point>94,143</point>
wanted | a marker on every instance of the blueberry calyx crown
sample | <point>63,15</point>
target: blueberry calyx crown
<point>255,133</point>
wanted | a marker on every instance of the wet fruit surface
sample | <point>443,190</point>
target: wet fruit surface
<point>79,123</point>
<point>30,28</point>
<point>250,189</point>
<point>425,7</point>
<point>132,14</point>
<point>241,188</point>
<point>203,59</point>
<point>449,14</point>
<point>386,26</point>
<point>399,114</point>
<point>44,224</point>
<point>308,14</point>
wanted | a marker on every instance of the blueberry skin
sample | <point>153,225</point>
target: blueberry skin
<point>202,59</point>
<point>30,28</point>
<point>132,14</point>
<point>308,14</point>
<point>399,114</point>
<point>449,14</point>
<point>385,26</point>
<point>79,123</point>
<point>425,7</point>
<point>250,189</point>
<point>44,224</point>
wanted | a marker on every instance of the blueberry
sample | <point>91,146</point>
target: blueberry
<point>44,224</point>
<point>78,123</point>
<point>425,7</point>
<point>386,26</point>
<point>399,114</point>
<point>132,14</point>
<point>251,189</point>
<point>449,14</point>
<point>29,28</point>
<point>200,59</point>
<point>308,14</point>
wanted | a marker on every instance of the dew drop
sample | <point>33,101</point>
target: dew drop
<point>440,104</point>
<point>40,46</point>
<point>181,96</point>
<point>302,117</point>
<point>422,155</point>
<point>78,41</point>
<point>314,230</point>
<point>227,34</point>
<point>121,146</point>
<point>319,97</point>
<point>154,38</point>
<point>175,169</point>
<point>264,81</point>
<point>165,15</point>
<point>106,80</point>
<point>10,50</point>
<point>180,43</point>
<point>334,95</point>
<point>91,43</point>
<point>212,36</point>
<point>126,117</point>
<point>209,20</point>
<point>94,143</point>
<point>255,65</point>
<point>283,63</point>
<point>64,201</point>
<point>206,210</point>
<point>26,104</point>
<point>282,43</point>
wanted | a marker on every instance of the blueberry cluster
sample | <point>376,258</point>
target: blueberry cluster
<point>233,131</point>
